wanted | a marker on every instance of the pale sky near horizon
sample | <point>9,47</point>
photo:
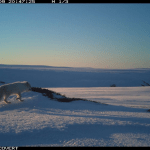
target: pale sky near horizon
<point>113,36</point>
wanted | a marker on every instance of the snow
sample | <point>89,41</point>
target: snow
<point>47,76</point>
<point>56,96</point>
<point>138,97</point>
<point>120,118</point>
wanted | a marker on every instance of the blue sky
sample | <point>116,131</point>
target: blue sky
<point>115,36</point>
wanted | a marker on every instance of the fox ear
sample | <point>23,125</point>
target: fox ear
<point>28,84</point>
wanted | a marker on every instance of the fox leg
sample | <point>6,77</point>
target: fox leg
<point>5,100</point>
<point>19,97</point>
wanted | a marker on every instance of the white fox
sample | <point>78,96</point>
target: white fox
<point>14,88</point>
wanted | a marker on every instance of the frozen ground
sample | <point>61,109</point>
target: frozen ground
<point>40,121</point>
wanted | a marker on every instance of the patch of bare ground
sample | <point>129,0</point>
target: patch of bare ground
<point>50,94</point>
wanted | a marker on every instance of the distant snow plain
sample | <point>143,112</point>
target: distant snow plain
<point>119,118</point>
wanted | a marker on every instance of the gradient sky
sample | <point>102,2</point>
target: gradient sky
<point>115,36</point>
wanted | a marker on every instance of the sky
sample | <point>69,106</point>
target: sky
<point>110,36</point>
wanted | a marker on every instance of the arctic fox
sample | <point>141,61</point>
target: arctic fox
<point>14,88</point>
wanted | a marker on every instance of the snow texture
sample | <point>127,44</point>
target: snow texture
<point>122,119</point>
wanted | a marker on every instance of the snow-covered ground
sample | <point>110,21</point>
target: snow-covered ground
<point>138,97</point>
<point>40,121</point>
<point>47,76</point>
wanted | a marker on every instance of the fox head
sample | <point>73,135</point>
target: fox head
<point>1,93</point>
<point>28,86</point>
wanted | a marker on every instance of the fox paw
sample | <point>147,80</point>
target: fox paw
<point>7,102</point>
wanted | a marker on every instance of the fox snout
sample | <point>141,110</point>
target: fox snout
<point>30,89</point>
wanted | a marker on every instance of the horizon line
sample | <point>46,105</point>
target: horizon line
<point>74,67</point>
